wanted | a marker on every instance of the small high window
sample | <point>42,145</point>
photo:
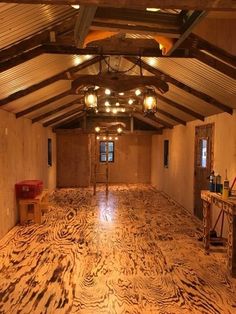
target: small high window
<point>49,152</point>
<point>166,153</point>
<point>103,151</point>
<point>202,156</point>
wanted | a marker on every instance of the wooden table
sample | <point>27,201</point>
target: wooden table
<point>31,208</point>
<point>229,207</point>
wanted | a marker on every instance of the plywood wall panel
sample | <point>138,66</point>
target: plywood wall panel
<point>73,153</point>
<point>23,155</point>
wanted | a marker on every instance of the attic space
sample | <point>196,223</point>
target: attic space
<point>118,156</point>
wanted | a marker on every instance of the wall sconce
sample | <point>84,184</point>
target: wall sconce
<point>150,102</point>
<point>91,99</point>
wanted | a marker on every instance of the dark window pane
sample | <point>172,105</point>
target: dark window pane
<point>49,152</point>
<point>166,153</point>
<point>103,150</point>
<point>103,157</point>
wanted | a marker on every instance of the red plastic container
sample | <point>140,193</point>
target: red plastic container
<point>28,188</point>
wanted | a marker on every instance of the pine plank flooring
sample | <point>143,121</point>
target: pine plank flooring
<point>135,253</point>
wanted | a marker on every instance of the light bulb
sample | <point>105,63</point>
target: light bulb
<point>104,138</point>
<point>130,101</point>
<point>98,137</point>
<point>108,110</point>
<point>121,94</point>
<point>107,91</point>
<point>97,129</point>
<point>114,110</point>
<point>75,6</point>
<point>117,104</point>
<point>110,138</point>
<point>138,92</point>
<point>107,104</point>
<point>119,130</point>
<point>153,9</point>
<point>116,138</point>
<point>122,109</point>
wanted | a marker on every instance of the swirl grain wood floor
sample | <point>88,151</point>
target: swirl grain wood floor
<point>135,253</point>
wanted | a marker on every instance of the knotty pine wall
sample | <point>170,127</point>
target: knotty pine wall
<point>23,155</point>
<point>75,164</point>
<point>178,179</point>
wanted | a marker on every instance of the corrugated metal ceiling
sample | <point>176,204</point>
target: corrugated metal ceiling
<point>35,71</point>
<point>199,76</point>
<point>20,21</point>
<point>38,96</point>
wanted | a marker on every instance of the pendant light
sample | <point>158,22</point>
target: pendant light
<point>91,99</point>
<point>150,102</point>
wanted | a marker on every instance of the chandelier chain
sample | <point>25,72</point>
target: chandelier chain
<point>138,62</point>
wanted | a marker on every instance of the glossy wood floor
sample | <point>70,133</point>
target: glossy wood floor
<point>136,252</point>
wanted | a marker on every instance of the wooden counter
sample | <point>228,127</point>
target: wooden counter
<point>229,207</point>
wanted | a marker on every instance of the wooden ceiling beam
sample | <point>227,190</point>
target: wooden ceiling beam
<point>34,41</point>
<point>154,123</point>
<point>194,41</point>
<point>181,107</point>
<point>52,112</point>
<point>215,5</point>
<point>189,23</point>
<point>172,117</point>
<point>64,75</point>
<point>67,120</point>
<point>43,104</point>
<point>83,23</point>
<point>212,101</point>
<point>140,29</point>
<point>151,19</point>
<point>21,58</point>
<point>215,63</point>
<point>63,116</point>
<point>122,51</point>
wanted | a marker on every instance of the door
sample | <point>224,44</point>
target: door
<point>203,163</point>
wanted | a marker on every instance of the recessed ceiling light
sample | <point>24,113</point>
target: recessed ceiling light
<point>107,91</point>
<point>75,6</point>
<point>153,9</point>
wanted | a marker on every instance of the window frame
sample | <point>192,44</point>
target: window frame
<point>109,152</point>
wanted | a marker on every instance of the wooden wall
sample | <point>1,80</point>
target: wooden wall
<point>132,160</point>
<point>75,153</point>
<point>73,159</point>
<point>178,179</point>
<point>23,155</point>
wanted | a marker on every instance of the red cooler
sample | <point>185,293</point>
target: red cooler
<point>28,188</point>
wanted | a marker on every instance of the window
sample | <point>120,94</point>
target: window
<point>166,153</point>
<point>49,152</point>
<point>202,162</point>
<point>103,151</point>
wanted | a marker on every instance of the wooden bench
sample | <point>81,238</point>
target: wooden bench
<point>32,209</point>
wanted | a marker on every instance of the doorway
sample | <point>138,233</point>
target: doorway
<point>203,163</point>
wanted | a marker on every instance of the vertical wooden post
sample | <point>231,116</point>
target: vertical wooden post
<point>95,165</point>
<point>131,124</point>
<point>107,167</point>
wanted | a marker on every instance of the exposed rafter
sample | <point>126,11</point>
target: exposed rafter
<point>43,104</point>
<point>215,63</point>
<point>172,117</point>
<point>83,23</point>
<point>212,101</point>
<point>164,4</point>
<point>52,112</point>
<point>190,21</point>
<point>181,107</point>
<point>64,75</point>
<point>63,116</point>
<point>21,58</point>
<point>153,122</point>
<point>67,120</point>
